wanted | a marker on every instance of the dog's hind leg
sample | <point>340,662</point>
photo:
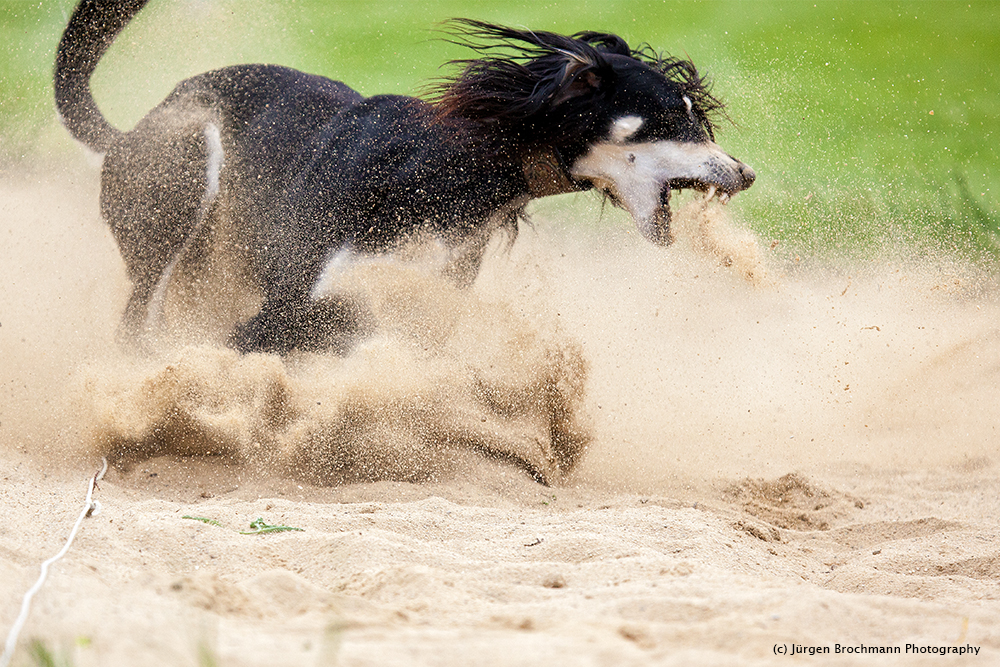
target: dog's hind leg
<point>159,186</point>
<point>156,305</point>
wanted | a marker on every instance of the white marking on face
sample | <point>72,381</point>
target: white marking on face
<point>637,173</point>
<point>625,127</point>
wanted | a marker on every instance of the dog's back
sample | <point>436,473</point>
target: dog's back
<point>194,174</point>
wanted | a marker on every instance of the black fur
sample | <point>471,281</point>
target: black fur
<point>524,75</point>
<point>307,167</point>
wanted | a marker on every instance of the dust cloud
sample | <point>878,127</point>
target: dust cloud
<point>580,357</point>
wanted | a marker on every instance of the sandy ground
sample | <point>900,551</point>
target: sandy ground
<point>803,458</point>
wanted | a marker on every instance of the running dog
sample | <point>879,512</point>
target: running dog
<point>294,176</point>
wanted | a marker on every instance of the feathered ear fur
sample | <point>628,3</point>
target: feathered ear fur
<point>522,72</point>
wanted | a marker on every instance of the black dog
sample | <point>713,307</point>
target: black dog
<point>290,175</point>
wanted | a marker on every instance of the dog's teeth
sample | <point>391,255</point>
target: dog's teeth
<point>724,198</point>
<point>710,193</point>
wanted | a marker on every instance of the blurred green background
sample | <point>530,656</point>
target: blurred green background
<point>867,122</point>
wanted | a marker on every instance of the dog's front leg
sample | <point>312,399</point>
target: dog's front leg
<point>329,324</point>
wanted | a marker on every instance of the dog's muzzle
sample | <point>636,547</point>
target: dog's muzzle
<point>641,178</point>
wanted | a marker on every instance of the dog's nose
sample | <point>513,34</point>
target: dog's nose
<point>748,175</point>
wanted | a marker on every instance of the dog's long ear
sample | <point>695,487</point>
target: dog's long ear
<point>522,73</point>
<point>605,41</point>
<point>583,77</point>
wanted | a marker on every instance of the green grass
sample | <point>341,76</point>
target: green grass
<point>202,519</point>
<point>257,527</point>
<point>865,120</point>
<point>41,656</point>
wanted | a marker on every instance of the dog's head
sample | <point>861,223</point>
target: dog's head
<point>628,122</point>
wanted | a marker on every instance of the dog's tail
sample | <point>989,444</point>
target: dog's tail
<point>91,30</point>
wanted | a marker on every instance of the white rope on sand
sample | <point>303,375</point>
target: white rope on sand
<point>89,509</point>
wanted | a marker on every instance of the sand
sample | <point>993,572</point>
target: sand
<point>748,450</point>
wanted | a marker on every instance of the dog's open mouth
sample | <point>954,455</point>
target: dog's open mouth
<point>709,190</point>
<point>641,178</point>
